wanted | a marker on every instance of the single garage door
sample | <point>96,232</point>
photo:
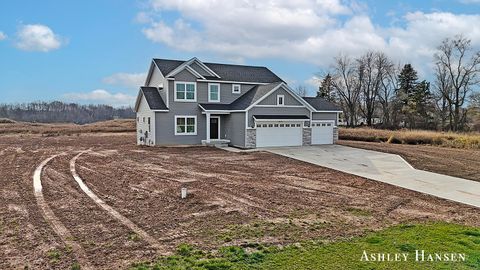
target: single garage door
<point>270,134</point>
<point>322,132</point>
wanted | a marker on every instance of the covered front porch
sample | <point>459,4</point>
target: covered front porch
<point>214,134</point>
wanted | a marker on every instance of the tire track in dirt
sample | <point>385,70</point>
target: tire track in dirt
<point>124,220</point>
<point>54,222</point>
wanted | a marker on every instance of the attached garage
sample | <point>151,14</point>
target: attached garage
<point>322,132</point>
<point>272,131</point>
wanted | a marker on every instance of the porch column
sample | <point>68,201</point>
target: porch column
<point>208,127</point>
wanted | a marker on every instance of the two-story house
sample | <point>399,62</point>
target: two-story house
<point>191,102</point>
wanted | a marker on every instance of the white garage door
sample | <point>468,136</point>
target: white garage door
<point>322,132</point>
<point>271,134</point>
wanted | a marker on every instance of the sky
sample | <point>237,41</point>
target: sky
<point>98,51</point>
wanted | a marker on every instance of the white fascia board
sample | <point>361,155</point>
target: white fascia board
<point>264,96</point>
<point>139,97</point>
<point>207,69</point>
<point>233,82</point>
<point>299,98</point>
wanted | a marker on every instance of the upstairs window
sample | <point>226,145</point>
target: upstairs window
<point>280,100</point>
<point>185,91</point>
<point>213,92</point>
<point>236,88</point>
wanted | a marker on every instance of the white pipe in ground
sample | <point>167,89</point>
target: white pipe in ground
<point>184,192</point>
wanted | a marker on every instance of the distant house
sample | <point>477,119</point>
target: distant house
<point>192,102</point>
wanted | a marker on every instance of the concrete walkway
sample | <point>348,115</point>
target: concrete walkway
<point>387,168</point>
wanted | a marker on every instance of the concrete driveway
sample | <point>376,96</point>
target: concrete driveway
<point>387,168</point>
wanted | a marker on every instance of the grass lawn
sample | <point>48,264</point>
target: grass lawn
<point>347,254</point>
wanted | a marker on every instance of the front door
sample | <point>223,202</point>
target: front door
<point>214,127</point>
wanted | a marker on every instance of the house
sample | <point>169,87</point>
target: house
<point>192,102</point>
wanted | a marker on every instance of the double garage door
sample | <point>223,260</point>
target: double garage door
<point>272,134</point>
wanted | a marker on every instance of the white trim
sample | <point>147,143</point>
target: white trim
<point>216,112</point>
<point>264,96</point>
<point>160,110</point>
<point>184,116</point>
<point>194,72</point>
<point>280,106</point>
<point>218,85</point>
<point>283,100</point>
<point>328,112</point>
<point>184,100</point>
<point>239,88</point>
<point>235,82</point>
<point>219,135</point>
<point>186,65</point>
<point>280,120</point>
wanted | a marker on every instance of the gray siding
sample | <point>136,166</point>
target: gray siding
<point>235,128</point>
<point>272,98</point>
<point>275,111</point>
<point>156,80</point>
<point>199,69</point>
<point>325,116</point>
<point>226,95</point>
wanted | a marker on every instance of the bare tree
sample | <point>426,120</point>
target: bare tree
<point>375,66</point>
<point>347,81</point>
<point>301,90</point>
<point>443,93</point>
<point>386,93</point>
<point>462,66</point>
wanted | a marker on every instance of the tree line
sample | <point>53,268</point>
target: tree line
<point>60,112</point>
<point>374,91</point>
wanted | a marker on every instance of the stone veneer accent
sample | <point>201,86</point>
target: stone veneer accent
<point>307,136</point>
<point>251,138</point>
<point>335,134</point>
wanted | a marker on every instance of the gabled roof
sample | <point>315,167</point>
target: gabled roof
<point>321,104</point>
<point>245,100</point>
<point>226,72</point>
<point>154,100</point>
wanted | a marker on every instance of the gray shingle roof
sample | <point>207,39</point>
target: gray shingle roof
<point>244,100</point>
<point>227,72</point>
<point>321,104</point>
<point>154,100</point>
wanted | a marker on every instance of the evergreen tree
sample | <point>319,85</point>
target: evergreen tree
<point>325,90</point>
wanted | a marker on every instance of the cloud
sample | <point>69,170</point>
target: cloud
<point>133,80</point>
<point>2,36</point>
<point>313,81</point>
<point>37,37</point>
<point>101,96</point>
<point>311,31</point>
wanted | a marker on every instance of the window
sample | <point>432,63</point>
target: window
<point>213,92</point>
<point>185,125</point>
<point>236,89</point>
<point>185,91</point>
<point>149,129</point>
<point>280,100</point>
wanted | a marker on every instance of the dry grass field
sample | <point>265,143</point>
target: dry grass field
<point>254,199</point>
<point>413,137</point>
<point>9,127</point>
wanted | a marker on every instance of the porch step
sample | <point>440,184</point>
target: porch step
<point>216,143</point>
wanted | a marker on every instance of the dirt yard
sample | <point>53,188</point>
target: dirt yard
<point>463,163</point>
<point>233,199</point>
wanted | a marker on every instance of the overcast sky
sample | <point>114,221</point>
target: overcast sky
<point>97,51</point>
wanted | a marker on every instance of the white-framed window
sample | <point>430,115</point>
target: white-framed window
<point>236,88</point>
<point>185,91</point>
<point>213,92</point>
<point>185,125</point>
<point>280,100</point>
